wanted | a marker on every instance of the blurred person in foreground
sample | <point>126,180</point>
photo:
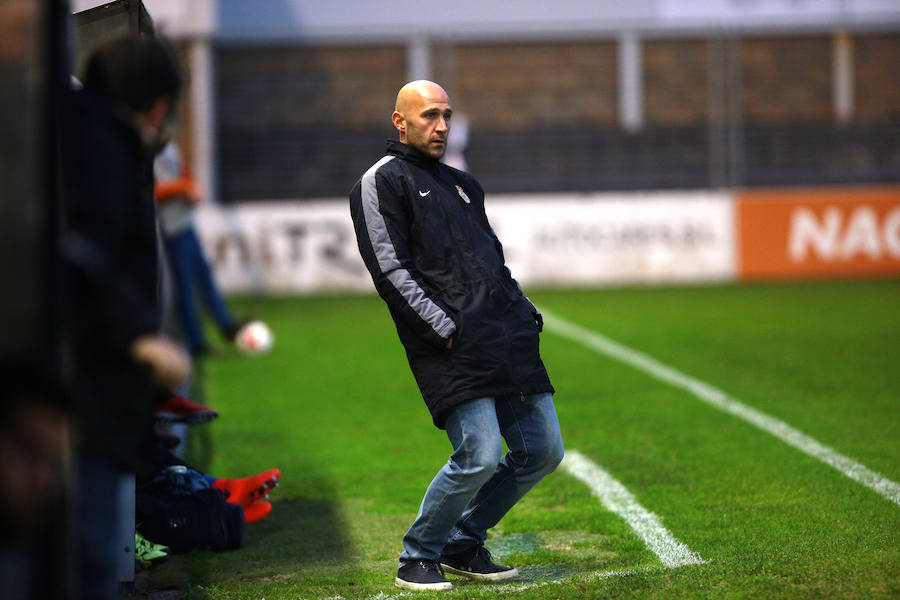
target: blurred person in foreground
<point>34,442</point>
<point>110,132</point>
<point>178,196</point>
<point>471,337</point>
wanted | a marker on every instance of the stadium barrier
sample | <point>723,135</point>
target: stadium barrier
<point>586,239</point>
<point>815,233</point>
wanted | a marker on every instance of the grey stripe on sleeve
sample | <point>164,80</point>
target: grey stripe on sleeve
<point>388,262</point>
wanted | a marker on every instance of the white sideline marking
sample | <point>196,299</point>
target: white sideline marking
<point>616,498</point>
<point>719,399</point>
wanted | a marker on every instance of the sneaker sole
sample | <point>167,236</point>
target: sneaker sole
<point>410,585</point>
<point>498,576</point>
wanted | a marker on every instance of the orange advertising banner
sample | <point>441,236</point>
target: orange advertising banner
<point>809,233</point>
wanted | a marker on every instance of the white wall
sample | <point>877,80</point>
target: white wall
<point>400,19</point>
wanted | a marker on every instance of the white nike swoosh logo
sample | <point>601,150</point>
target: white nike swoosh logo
<point>423,194</point>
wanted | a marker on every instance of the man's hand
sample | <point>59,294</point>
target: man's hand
<point>171,365</point>
<point>449,344</point>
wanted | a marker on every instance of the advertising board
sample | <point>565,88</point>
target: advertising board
<point>818,233</point>
<point>563,239</point>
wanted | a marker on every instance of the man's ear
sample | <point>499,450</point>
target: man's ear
<point>400,123</point>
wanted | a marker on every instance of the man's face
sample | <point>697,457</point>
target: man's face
<point>425,121</point>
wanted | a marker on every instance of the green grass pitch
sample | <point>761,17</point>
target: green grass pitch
<point>335,408</point>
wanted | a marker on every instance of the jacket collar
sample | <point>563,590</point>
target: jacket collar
<point>405,151</point>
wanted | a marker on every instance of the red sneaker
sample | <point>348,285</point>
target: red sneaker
<point>179,409</point>
<point>257,511</point>
<point>247,490</point>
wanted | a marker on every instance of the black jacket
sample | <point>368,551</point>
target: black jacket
<point>424,237</point>
<point>111,255</point>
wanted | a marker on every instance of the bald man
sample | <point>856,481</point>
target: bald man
<point>471,338</point>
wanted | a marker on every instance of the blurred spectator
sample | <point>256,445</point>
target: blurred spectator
<point>178,196</point>
<point>34,442</point>
<point>33,437</point>
<point>34,429</point>
<point>109,133</point>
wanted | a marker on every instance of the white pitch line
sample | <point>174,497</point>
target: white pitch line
<point>616,498</point>
<point>719,399</point>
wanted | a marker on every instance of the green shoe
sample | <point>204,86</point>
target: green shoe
<point>146,552</point>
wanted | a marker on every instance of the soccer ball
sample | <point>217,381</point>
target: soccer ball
<point>254,338</point>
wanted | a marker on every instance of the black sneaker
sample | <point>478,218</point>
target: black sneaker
<point>476,563</point>
<point>422,575</point>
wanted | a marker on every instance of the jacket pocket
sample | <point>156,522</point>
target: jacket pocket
<point>457,336</point>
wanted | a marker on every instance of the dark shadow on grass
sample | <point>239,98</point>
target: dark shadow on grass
<point>299,532</point>
<point>299,537</point>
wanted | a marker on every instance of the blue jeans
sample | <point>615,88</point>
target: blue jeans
<point>190,273</point>
<point>478,486</point>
